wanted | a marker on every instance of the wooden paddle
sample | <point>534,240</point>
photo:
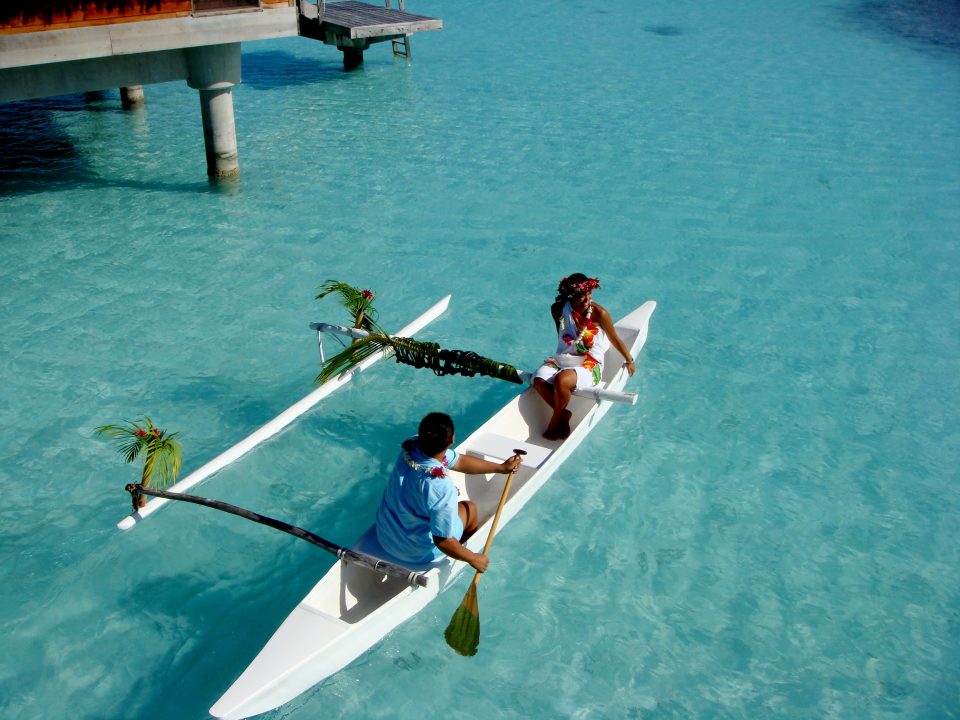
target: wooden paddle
<point>463,632</point>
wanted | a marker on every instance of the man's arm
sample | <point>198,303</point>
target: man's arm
<point>455,549</point>
<point>470,465</point>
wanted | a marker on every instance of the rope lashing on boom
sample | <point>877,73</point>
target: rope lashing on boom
<point>419,355</point>
<point>451,362</point>
<point>134,491</point>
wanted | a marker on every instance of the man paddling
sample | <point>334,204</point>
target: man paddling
<point>421,518</point>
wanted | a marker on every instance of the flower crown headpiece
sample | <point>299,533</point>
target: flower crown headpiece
<point>579,288</point>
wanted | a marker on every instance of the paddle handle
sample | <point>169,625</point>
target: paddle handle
<point>496,517</point>
<point>503,501</point>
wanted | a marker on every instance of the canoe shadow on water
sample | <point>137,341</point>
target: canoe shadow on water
<point>201,674</point>
<point>240,408</point>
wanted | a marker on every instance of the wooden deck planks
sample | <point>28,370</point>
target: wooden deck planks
<point>360,20</point>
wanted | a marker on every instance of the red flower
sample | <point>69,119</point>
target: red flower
<point>367,295</point>
<point>437,472</point>
<point>141,432</point>
<point>586,286</point>
<point>156,431</point>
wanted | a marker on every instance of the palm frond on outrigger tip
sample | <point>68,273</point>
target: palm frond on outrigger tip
<point>356,302</point>
<point>160,450</point>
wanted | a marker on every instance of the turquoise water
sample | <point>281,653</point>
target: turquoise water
<point>771,532</point>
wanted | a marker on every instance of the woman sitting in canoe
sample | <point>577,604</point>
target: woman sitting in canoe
<point>584,332</point>
<point>420,518</point>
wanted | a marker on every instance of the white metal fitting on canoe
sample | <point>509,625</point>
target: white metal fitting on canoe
<point>343,330</point>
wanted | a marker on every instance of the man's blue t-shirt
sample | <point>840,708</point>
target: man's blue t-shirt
<point>417,504</point>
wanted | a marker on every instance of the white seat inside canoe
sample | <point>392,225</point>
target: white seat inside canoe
<point>499,447</point>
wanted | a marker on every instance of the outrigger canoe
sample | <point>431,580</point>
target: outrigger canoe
<point>352,607</point>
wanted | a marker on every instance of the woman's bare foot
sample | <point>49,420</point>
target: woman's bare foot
<point>559,430</point>
<point>551,433</point>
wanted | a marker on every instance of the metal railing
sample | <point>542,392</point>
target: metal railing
<point>311,10</point>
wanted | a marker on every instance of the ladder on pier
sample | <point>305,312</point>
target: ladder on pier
<point>401,48</point>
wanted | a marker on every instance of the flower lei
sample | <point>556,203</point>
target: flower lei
<point>437,471</point>
<point>584,341</point>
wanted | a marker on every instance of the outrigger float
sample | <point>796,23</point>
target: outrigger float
<point>286,417</point>
<point>353,607</point>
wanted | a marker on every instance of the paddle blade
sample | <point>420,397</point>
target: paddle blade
<point>463,632</point>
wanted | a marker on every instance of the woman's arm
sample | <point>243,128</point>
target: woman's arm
<point>607,324</point>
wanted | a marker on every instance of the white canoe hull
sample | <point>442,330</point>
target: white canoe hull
<point>352,608</point>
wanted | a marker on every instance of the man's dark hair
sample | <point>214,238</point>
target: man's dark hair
<point>435,433</point>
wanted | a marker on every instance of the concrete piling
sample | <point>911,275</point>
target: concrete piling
<point>219,132</point>
<point>213,71</point>
<point>131,96</point>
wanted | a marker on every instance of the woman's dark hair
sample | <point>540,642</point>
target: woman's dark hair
<point>435,433</point>
<point>575,284</point>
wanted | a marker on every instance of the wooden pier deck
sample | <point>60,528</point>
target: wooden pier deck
<point>360,20</point>
<point>355,25</point>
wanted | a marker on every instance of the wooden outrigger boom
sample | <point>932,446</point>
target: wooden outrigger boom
<point>368,561</point>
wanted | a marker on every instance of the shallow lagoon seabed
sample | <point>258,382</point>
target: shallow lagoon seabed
<point>771,532</point>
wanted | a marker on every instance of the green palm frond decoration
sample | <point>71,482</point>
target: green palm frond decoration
<point>418,354</point>
<point>161,451</point>
<point>356,302</point>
